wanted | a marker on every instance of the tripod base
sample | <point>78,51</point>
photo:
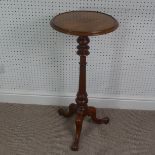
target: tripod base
<point>80,114</point>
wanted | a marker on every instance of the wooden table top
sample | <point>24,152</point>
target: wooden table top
<point>84,23</point>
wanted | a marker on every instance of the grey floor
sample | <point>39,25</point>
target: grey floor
<point>39,130</point>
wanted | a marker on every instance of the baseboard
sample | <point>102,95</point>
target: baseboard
<point>115,103</point>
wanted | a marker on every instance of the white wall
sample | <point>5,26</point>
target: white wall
<point>39,64</point>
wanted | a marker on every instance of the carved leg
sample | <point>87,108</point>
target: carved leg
<point>72,110</point>
<point>92,113</point>
<point>78,122</point>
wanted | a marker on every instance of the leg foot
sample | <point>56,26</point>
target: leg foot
<point>78,122</point>
<point>72,110</point>
<point>92,113</point>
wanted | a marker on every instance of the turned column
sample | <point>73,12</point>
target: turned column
<point>81,98</point>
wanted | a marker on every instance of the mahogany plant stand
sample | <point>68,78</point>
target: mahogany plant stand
<point>83,24</point>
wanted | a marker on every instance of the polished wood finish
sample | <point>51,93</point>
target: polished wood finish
<point>83,24</point>
<point>81,108</point>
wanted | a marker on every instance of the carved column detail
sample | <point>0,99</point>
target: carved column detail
<point>83,48</point>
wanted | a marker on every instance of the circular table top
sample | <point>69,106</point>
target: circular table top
<point>84,23</point>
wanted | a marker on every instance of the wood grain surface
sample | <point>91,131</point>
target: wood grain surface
<point>84,23</point>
